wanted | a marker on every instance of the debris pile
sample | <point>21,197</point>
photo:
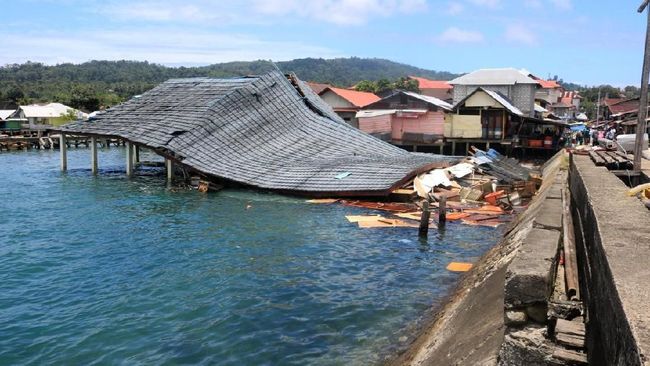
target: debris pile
<point>486,189</point>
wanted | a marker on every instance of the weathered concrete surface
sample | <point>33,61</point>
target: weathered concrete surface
<point>550,215</point>
<point>469,329</point>
<point>528,346</point>
<point>614,256</point>
<point>529,278</point>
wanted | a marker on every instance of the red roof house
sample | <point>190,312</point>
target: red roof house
<point>440,89</point>
<point>347,102</point>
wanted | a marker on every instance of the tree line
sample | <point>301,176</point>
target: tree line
<point>96,84</point>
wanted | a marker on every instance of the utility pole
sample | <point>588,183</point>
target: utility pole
<point>598,107</point>
<point>643,100</point>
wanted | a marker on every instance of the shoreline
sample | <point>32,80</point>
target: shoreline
<point>468,326</point>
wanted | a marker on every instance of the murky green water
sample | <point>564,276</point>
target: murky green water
<point>109,270</point>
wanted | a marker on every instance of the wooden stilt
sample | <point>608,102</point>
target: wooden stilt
<point>137,154</point>
<point>129,159</point>
<point>442,211</point>
<point>442,148</point>
<point>423,232</point>
<point>169,166</point>
<point>64,152</point>
<point>453,148</point>
<point>93,154</point>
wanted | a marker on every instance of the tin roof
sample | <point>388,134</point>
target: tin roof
<point>5,113</point>
<point>269,131</point>
<point>504,76</point>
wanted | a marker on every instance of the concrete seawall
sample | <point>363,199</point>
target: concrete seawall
<point>469,328</point>
<point>505,309</point>
<point>614,259</point>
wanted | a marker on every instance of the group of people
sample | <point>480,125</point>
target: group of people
<point>593,135</point>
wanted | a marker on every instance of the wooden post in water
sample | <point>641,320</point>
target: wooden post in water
<point>64,152</point>
<point>442,211</point>
<point>424,220</point>
<point>93,154</point>
<point>169,166</point>
<point>129,158</point>
<point>137,154</point>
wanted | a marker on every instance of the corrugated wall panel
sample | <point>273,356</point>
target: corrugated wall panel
<point>378,124</point>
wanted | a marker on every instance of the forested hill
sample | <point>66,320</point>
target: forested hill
<point>103,83</point>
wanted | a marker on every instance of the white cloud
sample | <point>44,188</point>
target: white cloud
<point>455,8</point>
<point>341,12</point>
<point>165,46</point>
<point>487,3</point>
<point>457,35</point>
<point>518,33</point>
<point>562,4</point>
<point>533,4</point>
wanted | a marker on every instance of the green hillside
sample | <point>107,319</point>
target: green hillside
<point>103,83</point>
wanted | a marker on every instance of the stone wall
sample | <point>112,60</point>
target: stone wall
<point>614,258</point>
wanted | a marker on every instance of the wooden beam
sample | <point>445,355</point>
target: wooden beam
<point>643,6</point>
<point>570,255</point>
<point>93,154</point>
<point>63,147</point>
<point>169,166</point>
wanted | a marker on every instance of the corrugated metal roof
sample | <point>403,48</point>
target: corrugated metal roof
<point>431,100</point>
<point>383,112</point>
<point>5,113</point>
<point>540,109</point>
<point>269,132</point>
<point>505,76</point>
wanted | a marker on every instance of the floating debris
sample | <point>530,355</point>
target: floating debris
<point>459,266</point>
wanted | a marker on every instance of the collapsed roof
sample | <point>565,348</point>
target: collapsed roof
<point>269,131</point>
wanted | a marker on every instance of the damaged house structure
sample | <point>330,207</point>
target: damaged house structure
<point>270,132</point>
<point>406,118</point>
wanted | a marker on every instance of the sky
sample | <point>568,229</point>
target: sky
<point>589,42</point>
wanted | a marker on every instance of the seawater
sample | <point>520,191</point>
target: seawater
<point>109,270</point>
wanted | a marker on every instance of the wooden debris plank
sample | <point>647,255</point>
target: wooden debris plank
<point>359,218</point>
<point>570,333</point>
<point>383,223</point>
<point>570,356</point>
<point>604,156</point>
<point>597,159</point>
<point>323,201</point>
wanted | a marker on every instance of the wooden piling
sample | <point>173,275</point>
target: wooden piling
<point>64,152</point>
<point>169,166</point>
<point>423,232</point>
<point>93,154</point>
<point>137,154</point>
<point>129,159</point>
<point>442,211</point>
<point>569,242</point>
